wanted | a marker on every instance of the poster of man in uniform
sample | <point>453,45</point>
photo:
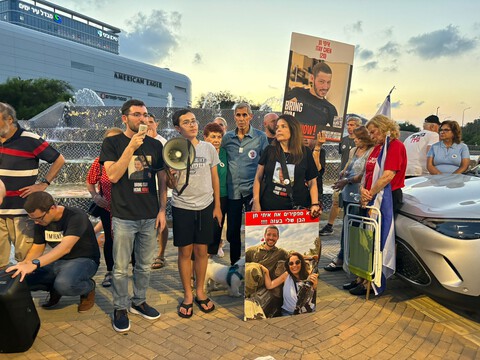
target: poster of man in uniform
<point>282,249</point>
<point>318,83</point>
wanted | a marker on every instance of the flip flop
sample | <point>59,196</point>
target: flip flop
<point>332,267</point>
<point>204,302</point>
<point>186,307</point>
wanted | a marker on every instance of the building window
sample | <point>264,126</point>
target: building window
<point>81,66</point>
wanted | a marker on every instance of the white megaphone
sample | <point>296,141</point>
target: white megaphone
<point>179,154</point>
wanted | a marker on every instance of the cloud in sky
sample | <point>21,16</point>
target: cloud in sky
<point>365,54</point>
<point>396,104</point>
<point>197,59</point>
<point>371,65</point>
<point>419,103</point>
<point>85,6</point>
<point>446,42</point>
<point>152,37</point>
<point>388,32</point>
<point>355,28</point>
<point>391,48</point>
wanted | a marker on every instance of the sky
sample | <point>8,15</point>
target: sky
<point>428,49</point>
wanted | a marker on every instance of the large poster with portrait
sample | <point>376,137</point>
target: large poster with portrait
<point>318,83</point>
<point>282,249</point>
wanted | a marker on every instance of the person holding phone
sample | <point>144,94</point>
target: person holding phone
<point>136,210</point>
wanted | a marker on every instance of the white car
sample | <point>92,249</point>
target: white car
<point>438,237</point>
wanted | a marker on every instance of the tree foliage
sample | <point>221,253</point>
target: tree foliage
<point>471,133</point>
<point>222,100</point>
<point>32,96</point>
<point>406,126</point>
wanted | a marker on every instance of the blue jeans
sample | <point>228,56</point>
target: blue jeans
<point>128,235</point>
<point>68,277</point>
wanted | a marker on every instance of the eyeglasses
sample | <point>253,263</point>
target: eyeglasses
<point>40,218</point>
<point>139,115</point>
<point>191,123</point>
<point>444,130</point>
<point>244,115</point>
<point>291,263</point>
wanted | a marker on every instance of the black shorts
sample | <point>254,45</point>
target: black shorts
<point>192,226</point>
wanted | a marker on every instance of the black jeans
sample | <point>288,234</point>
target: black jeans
<point>217,230</point>
<point>105,216</point>
<point>234,224</point>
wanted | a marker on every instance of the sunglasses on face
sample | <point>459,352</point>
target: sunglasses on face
<point>296,262</point>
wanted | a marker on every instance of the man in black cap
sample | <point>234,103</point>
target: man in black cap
<point>418,144</point>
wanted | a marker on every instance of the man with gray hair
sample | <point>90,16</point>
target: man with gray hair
<point>244,146</point>
<point>270,125</point>
<point>20,154</point>
<point>418,145</point>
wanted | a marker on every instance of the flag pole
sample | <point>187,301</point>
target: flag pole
<point>393,88</point>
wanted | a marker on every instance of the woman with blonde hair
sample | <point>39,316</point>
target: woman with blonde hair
<point>394,168</point>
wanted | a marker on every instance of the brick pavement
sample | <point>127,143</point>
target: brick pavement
<point>401,324</point>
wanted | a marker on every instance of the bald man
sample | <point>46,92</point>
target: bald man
<point>270,125</point>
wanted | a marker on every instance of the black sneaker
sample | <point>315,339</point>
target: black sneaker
<point>350,285</point>
<point>52,300</point>
<point>326,230</point>
<point>120,320</point>
<point>358,290</point>
<point>145,310</point>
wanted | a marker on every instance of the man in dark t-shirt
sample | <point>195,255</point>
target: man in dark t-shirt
<point>310,106</point>
<point>137,212</point>
<point>68,268</point>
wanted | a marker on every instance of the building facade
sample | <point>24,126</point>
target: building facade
<point>42,40</point>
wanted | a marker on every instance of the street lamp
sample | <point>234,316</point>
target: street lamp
<point>463,115</point>
<point>438,107</point>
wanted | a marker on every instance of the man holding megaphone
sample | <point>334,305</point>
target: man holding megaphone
<point>195,206</point>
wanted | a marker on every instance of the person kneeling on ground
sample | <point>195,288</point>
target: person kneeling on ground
<point>68,268</point>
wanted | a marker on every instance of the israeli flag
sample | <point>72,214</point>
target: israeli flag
<point>383,201</point>
<point>385,108</point>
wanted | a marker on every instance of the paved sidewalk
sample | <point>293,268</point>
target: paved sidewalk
<point>401,324</point>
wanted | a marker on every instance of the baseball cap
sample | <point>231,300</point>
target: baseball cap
<point>432,119</point>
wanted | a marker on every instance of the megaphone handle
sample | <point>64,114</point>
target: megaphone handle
<point>187,177</point>
<point>171,179</point>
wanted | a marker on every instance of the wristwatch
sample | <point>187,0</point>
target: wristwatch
<point>36,262</point>
<point>45,181</point>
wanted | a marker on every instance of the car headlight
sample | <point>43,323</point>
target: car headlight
<point>458,229</point>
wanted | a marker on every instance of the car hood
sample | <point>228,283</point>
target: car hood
<point>452,196</point>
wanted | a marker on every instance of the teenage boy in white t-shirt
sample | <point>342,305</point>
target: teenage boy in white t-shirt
<point>193,213</point>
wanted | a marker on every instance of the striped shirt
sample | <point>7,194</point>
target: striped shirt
<point>19,159</point>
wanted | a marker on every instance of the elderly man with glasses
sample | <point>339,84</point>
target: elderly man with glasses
<point>69,267</point>
<point>138,210</point>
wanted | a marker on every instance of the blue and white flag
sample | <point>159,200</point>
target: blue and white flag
<point>383,201</point>
<point>385,108</point>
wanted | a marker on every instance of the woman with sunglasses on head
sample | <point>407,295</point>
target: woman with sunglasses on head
<point>283,192</point>
<point>449,155</point>
<point>293,279</point>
